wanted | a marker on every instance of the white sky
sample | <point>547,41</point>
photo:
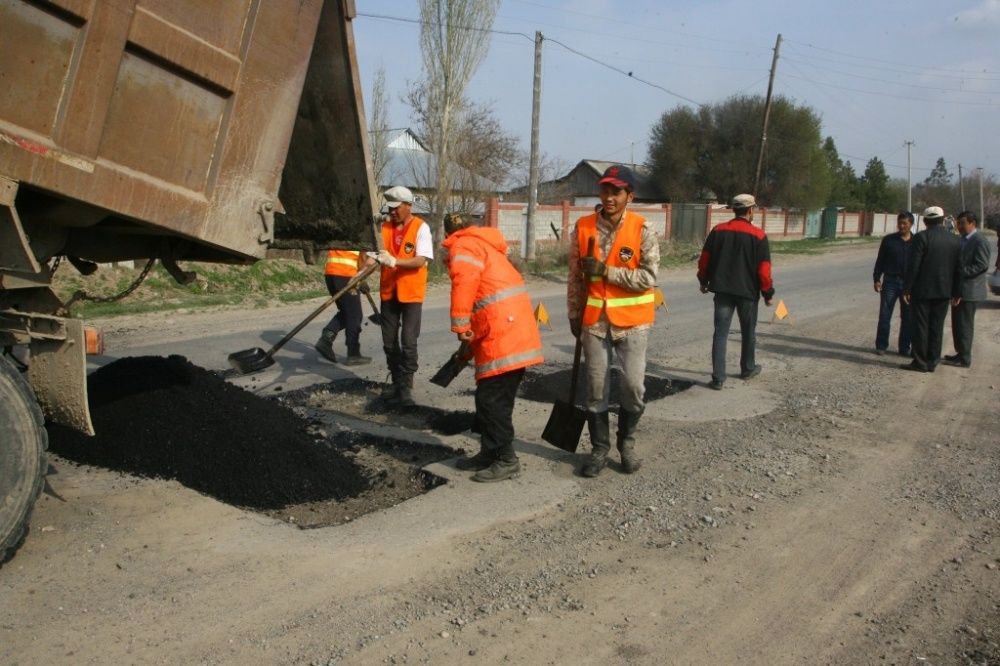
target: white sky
<point>878,72</point>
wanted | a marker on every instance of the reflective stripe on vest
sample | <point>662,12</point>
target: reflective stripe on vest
<point>342,262</point>
<point>623,307</point>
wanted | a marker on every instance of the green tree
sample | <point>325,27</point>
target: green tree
<point>844,184</point>
<point>937,190</point>
<point>712,152</point>
<point>877,196</point>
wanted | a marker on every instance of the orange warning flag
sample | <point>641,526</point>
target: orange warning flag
<point>780,312</point>
<point>659,300</point>
<point>542,317</point>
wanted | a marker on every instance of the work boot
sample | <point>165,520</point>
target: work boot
<point>406,392</point>
<point>357,359</point>
<point>325,345</point>
<point>627,423</point>
<point>500,470</point>
<point>476,463</point>
<point>390,392</point>
<point>600,440</point>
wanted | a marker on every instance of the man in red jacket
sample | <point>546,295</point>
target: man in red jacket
<point>735,265</point>
<point>491,311</point>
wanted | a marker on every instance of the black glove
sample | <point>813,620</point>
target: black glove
<point>364,288</point>
<point>592,266</point>
<point>574,327</point>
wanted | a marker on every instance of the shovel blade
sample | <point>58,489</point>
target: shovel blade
<point>565,426</point>
<point>250,360</point>
<point>375,318</point>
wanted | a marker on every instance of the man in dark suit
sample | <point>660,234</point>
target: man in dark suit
<point>975,262</point>
<point>933,278</point>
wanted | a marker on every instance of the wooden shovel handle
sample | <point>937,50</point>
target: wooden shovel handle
<point>575,377</point>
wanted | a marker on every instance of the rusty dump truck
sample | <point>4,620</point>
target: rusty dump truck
<point>169,130</point>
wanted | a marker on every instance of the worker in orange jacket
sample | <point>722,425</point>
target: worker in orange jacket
<point>341,267</point>
<point>491,311</point>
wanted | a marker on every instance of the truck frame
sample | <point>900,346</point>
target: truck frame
<point>174,130</point>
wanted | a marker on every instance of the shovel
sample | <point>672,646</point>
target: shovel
<point>375,317</point>
<point>253,360</point>
<point>566,420</point>
<point>455,364</point>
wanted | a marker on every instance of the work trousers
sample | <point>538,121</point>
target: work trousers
<point>892,290</point>
<point>400,330</point>
<point>495,413</point>
<point>928,330</point>
<point>746,311</point>
<point>348,317</point>
<point>631,353</point>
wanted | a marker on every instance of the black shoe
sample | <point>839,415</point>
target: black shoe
<point>906,353</point>
<point>952,357</point>
<point>500,470</point>
<point>751,373</point>
<point>880,352</point>
<point>914,367</point>
<point>716,384</point>
<point>357,359</point>
<point>475,463</point>
<point>956,361</point>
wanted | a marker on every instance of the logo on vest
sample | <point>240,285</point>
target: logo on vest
<point>625,254</point>
<point>408,248</point>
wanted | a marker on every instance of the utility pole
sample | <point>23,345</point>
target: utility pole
<point>982,210</point>
<point>767,112</point>
<point>536,112</point>
<point>909,181</point>
<point>961,185</point>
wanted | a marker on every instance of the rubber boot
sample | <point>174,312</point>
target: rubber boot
<point>325,345</point>
<point>390,392</point>
<point>406,391</point>
<point>627,423</point>
<point>354,357</point>
<point>600,440</point>
<point>476,463</point>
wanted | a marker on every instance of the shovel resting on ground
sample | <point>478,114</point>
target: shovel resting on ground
<point>566,421</point>
<point>253,360</point>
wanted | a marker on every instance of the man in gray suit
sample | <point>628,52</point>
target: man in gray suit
<point>933,278</point>
<point>975,262</point>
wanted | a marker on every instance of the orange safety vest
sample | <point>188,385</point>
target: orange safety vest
<point>342,262</point>
<point>408,285</point>
<point>624,308</point>
<point>489,297</point>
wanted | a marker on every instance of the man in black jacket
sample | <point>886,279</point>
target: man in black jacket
<point>735,265</point>
<point>975,262</point>
<point>933,278</point>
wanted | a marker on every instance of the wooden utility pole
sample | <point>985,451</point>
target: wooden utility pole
<point>536,112</point>
<point>767,112</point>
<point>961,185</point>
<point>909,182</point>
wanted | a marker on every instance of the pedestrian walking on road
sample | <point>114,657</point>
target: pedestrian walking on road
<point>975,260</point>
<point>408,247</point>
<point>491,311</point>
<point>341,267</point>
<point>890,269</point>
<point>610,300</point>
<point>735,265</point>
<point>933,278</point>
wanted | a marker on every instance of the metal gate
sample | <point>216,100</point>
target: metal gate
<point>688,222</point>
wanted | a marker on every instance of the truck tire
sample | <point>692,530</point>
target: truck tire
<point>23,441</point>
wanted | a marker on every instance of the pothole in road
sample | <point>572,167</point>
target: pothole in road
<point>297,456</point>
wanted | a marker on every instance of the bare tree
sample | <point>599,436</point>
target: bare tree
<point>454,40</point>
<point>378,126</point>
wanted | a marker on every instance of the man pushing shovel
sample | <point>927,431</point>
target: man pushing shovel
<point>615,291</point>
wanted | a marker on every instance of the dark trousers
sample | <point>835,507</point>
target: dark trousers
<point>746,310</point>
<point>928,330</point>
<point>400,330</point>
<point>348,317</point>
<point>892,289</point>
<point>495,413</point>
<point>963,324</point>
